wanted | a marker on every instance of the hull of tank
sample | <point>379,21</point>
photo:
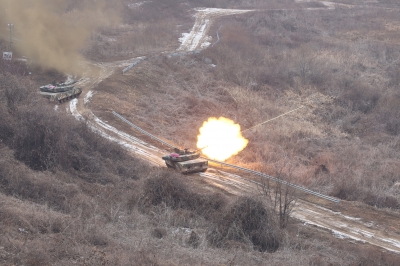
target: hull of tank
<point>60,97</point>
<point>190,166</point>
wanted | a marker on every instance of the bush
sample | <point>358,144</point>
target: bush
<point>194,240</point>
<point>247,220</point>
<point>167,188</point>
<point>37,258</point>
<point>349,189</point>
<point>97,237</point>
<point>381,201</point>
<point>18,180</point>
<point>360,97</point>
<point>389,111</point>
<point>159,232</point>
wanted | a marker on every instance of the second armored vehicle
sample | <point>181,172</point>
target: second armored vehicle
<point>60,97</point>
<point>60,92</point>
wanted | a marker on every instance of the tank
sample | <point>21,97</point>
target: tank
<point>58,87</point>
<point>60,92</point>
<point>60,97</point>
<point>186,161</point>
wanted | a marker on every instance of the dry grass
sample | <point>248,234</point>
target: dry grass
<point>68,197</point>
<point>247,221</point>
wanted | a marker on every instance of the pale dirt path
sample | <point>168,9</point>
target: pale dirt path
<point>365,229</point>
<point>333,5</point>
<point>349,227</point>
<point>197,38</point>
<point>328,4</point>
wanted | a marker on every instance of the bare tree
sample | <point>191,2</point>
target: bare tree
<point>281,195</point>
<point>284,200</point>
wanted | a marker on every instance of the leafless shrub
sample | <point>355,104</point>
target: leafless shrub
<point>16,179</point>
<point>280,195</point>
<point>392,123</point>
<point>360,98</point>
<point>97,237</point>
<point>57,225</point>
<point>284,202</point>
<point>97,257</point>
<point>159,232</point>
<point>145,258</point>
<point>15,91</point>
<point>171,191</point>
<point>371,256</point>
<point>347,189</point>
<point>388,113</point>
<point>352,190</point>
<point>14,67</point>
<point>381,201</point>
<point>246,220</point>
<point>194,240</point>
<point>37,258</point>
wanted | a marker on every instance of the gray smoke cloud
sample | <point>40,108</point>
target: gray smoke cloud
<point>53,32</point>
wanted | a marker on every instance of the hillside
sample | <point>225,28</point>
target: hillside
<point>71,194</point>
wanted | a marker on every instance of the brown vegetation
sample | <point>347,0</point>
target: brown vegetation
<point>70,197</point>
<point>247,220</point>
<point>172,192</point>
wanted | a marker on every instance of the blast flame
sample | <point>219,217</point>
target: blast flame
<point>220,138</point>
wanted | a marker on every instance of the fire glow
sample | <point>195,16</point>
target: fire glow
<point>220,138</point>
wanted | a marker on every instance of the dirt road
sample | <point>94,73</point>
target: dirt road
<point>346,220</point>
<point>197,38</point>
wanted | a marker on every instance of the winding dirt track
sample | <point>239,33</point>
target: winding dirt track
<point>345,220</point>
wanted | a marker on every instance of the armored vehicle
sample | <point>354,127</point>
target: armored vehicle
<point>61,97</point>
<point>58,87</point>
<point>60,92</point>
<point>186,161</point>
<point>52,88</point>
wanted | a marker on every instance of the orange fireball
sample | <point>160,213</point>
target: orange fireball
<point>220,138</point>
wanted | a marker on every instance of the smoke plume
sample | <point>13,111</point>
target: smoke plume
<point>52,33</point>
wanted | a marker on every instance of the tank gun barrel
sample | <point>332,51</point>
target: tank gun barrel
<point>200,149</point>
<point>76,81</point>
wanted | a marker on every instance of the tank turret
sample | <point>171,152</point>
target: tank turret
<point>58,87</point>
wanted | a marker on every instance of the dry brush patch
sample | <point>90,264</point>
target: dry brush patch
<point>168,189</point>
<point>246,221</point>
